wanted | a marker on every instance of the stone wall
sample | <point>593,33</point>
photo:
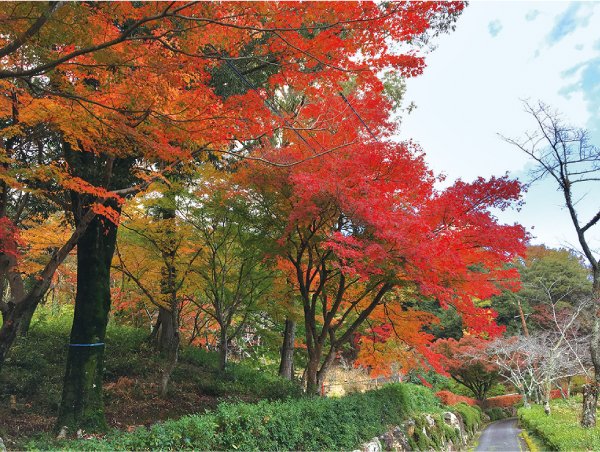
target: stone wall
<point>443,432</point>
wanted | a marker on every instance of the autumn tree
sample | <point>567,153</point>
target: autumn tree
<point>565,154</point>
<point>156,251</point>
<point>366,220</point>
<point>467,363</point>
<point>132,93</point>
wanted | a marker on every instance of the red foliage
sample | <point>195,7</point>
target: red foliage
<point>503,401</point>
<point>9,237</point>
<point>509,400</point>
<point>449,398</point>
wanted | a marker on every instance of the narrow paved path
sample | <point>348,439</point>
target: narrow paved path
<point>502,436</point>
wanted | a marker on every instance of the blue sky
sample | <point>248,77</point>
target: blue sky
<point>472,90</point>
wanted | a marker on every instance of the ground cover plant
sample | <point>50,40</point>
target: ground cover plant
<point>561,430</point>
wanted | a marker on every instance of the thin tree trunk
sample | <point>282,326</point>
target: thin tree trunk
<point>322,373</point>
<point>223,349</point>
<point>286,366</point>
<point>82,404</point>
<point>523,322</point>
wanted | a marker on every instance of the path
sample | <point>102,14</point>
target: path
<point>502,436</point>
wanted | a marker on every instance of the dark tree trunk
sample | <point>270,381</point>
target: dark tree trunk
<point>82,404</point>
<point>590,401</point>
<point>286,366</point>
<point>168,344</point>
<point>312,370</point>
<point>153,337</point>
<point>11,324</point>
<point>26,319</point>
<point>168,338</point>
<point>167,333</point>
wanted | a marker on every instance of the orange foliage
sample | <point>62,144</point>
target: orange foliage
<point>449,398</point>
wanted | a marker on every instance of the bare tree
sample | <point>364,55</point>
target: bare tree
<point>565,153</point>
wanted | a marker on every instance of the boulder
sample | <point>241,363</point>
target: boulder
<point>395,440</point>
<point>455,421</point>
<point>374,445</point>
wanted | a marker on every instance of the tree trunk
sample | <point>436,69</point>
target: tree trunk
<point>26,319</point>
<point>286,366</point>
<point>523,322</point>
<point>168,339</point>
<point>590,401</point>
<point>11,324</point>
<point>312,369</point>
<point>82,405</point>
<point>168,344</point>
<point>546,397</point>
<point>590,391</point>
<point>526,403</point>
<point>223,349</point>
<point>322,373</point>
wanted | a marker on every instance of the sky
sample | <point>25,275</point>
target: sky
<point>472,90</point>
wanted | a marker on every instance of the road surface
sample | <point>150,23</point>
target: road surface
<point>502,436</point>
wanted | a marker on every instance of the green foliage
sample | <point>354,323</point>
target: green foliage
<point>497,413</point>
<point>561,430</point>
<point>238,380</point>
<point>471,416</point>
<point>301,424</point>
<point>546,272</point>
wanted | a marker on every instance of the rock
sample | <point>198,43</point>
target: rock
<point>62,434</point>
<point>456,421</point>
<point>452,420</point>
<point>395,440</point>
<point>409,427</point>
<point>430,420</point>
<point>372,446</point>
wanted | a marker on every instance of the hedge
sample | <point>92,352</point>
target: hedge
<point>560,430</point>
<point>301,424</point>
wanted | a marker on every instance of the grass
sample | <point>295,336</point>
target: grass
<point>31,380</point>
<point>242,408</point>
<point>533,444</point>
<point>561,430</point>
<point>295,424</point>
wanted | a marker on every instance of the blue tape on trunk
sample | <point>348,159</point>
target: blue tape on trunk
<point>97,344</point>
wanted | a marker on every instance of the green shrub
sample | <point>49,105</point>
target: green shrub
<point>295,424</point>
<point>560,430</point>
<point>200,357</point>
<point>497,413</point>
<point>471,416</point>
